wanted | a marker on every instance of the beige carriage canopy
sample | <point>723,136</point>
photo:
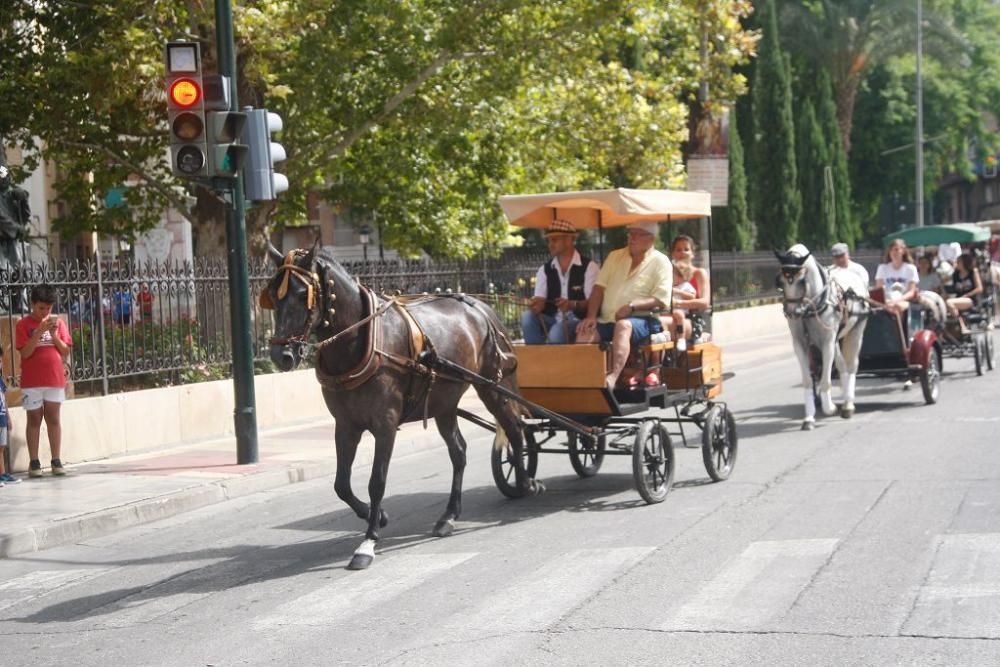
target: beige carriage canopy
<point>605,208</point>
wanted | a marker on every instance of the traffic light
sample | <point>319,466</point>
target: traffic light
<point>223,129</point>
<point>186,110</point>
<point>260,181</point>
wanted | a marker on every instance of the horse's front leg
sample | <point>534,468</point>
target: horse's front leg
<point>448,428</point>
<point>385,438</point>
<point>802,354</point>
<point>347,438</point>
<point>828,352</point>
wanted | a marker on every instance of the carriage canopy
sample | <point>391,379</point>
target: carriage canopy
<point>959,232</point>
<point>605,208</point>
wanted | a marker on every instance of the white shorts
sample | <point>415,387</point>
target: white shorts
<point>32,397</point>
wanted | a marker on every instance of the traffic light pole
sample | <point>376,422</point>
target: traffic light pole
<point>245,414</point>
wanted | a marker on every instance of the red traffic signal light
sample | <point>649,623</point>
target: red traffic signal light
<point>185,92</point>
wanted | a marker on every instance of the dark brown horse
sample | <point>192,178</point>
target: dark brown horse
<point>367,364</point>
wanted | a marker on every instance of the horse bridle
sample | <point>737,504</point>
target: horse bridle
<point>307,277</point>
<point>807,306</point>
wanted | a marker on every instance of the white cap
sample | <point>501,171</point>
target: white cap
<point>648,227</point>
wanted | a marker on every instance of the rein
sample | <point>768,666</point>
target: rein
<point>810,309</point>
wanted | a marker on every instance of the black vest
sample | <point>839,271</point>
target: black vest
<point>575,285</point>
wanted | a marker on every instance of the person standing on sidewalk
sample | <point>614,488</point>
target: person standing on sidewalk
<point>43,341</point>
<point>5,428</point>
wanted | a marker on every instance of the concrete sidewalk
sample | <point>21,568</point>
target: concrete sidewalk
<point>101,497</point>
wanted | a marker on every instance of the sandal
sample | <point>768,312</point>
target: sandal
<point>653,379</point>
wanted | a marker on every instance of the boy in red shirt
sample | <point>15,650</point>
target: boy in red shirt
<point>43,341</point>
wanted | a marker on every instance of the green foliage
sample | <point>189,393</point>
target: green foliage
<point>731,224</point>
<point>777,203</point>
<point>845,227</point>
<point>422,110</point>
<point>815,180</point>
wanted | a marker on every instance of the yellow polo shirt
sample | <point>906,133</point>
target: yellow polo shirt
<point>654,277</point>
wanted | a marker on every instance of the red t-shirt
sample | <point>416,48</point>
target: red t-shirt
<point>44,368</point>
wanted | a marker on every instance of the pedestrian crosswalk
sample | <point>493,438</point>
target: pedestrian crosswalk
<point>753,589</point>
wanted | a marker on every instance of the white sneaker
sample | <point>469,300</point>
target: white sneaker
<point>907,385</point>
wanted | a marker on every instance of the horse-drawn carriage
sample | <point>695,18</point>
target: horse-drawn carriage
<point>973,335</point>
<point>384,360</point>
<point>574,413</point>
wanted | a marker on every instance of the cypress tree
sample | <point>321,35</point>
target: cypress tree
<point>731,224</point>
<point>816,227</point>
<point>776,200</point>
<point>846,227</point>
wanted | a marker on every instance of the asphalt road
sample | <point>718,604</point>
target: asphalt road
<point>873,541</point>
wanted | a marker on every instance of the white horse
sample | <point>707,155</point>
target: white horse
<point>823,308</point>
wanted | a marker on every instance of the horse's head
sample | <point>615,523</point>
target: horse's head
<point>799,275</point>
<point>294,293</point>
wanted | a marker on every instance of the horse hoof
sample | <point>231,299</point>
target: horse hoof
<point>808,425</point>
<point>537,488</point>
<point>360,562</point>
<point>847,413</point>
<point>444,528</point>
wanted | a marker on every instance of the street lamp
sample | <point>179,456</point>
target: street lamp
<point>365,234</point>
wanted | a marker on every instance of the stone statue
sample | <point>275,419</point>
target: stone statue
<point>14,215</point>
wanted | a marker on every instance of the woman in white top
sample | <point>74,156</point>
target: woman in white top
<point>898,277</point>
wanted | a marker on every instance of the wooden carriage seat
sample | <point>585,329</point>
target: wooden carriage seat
<point>568,379</point>
<point>699,366</point>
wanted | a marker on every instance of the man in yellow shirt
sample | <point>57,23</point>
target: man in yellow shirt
<point>634,281</point>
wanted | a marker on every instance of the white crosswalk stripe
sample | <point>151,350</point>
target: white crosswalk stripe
<point>961,596</point>
<point>42,582</point>
<point>538,599</point>
<point>355,592</point>
<point>760,584</point>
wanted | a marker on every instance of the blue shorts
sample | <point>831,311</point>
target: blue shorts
<point>642,328</point>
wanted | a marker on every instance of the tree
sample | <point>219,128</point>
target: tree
<point>731,224</point>
<point>423,111</point>
<point>777,203</point>
<point>845,228</point>
<point>813,163</point>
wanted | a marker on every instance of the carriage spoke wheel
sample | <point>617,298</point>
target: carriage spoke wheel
<point>977,353</point>
<point>586,454</point>
<point>718,443</point>
<point>930,377</point>
<point>653,461</point>
<point>504,469</point>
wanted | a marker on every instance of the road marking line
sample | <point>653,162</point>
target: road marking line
<point>761,583</point>
<point>354,592</point>
<point>961,597</point>
<point>538,599</point>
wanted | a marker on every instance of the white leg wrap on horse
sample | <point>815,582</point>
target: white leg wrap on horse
<point>501,440</point>
<point>810,404</point>
<point>850,380</point>
<point>367,548</point>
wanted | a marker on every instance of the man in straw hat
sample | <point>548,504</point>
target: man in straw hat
<point>562,286</point>
<point>634,282</point>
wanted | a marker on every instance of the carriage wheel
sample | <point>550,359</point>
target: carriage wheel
<point>502,460</point>
<point>930,377</point>
<point>991,353</point>
<point>653,461</point>
<point>718,443</point>
<point>977,353</point>
<point>586,454</point>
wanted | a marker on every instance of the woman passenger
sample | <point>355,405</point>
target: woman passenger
<point>898,277</point>
<point>691,288</point>
<point>967,286</point>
